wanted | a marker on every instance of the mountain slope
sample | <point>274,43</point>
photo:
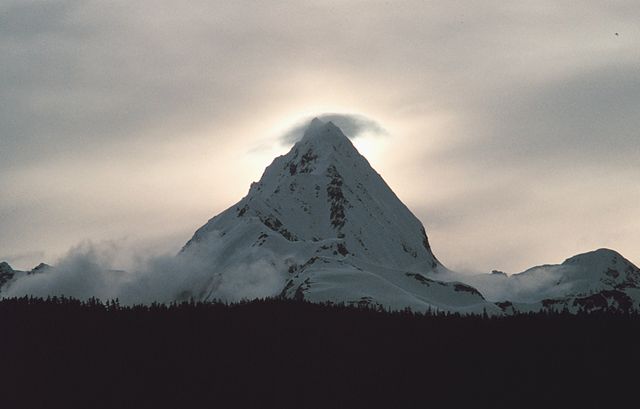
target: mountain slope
<point>332,230</point>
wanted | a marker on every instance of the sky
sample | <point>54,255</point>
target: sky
<point>511,129</point>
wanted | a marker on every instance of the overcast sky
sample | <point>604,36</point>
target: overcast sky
<point>511,129</point>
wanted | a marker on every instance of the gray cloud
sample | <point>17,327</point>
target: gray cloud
<point>28,258</point>
<point>87,270</point>
<point>30,19</point>
<point>588,116</point>
<point>93,79</point>
<point>353,125</point>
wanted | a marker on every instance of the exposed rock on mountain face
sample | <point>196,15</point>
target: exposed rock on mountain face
<point>334,230</point>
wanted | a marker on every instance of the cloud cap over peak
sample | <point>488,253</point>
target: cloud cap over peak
<point>352,125</point>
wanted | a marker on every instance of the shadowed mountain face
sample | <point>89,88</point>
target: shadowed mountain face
<point>335,231</point>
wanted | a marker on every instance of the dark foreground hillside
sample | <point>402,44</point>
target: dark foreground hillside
<point>285,354</point>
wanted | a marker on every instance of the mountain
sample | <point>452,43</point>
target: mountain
<point>322,225</point>
<point>332,230</point>
<point>600,279</point>
<point>8,275</point>
<point>40,268</point>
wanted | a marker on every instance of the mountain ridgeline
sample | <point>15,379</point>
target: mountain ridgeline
<point>321,225</point>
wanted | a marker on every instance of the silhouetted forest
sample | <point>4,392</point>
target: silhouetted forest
<point>277,353</point>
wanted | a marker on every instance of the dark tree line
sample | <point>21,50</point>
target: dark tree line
<point>275,353</point>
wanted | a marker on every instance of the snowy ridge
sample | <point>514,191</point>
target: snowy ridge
<point>596,280</point>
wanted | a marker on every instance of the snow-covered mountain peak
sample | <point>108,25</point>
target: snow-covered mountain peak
<point>324,133</point>
<point>324,145</point>
<point>323,191</point>
<point>600,256</point>
<point>601,278</point>
<point>314,126</point>
<point>602,268</point>
<point>605,267</point>
<point>333,230</point>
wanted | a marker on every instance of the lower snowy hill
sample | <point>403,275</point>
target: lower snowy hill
<point>357,282</point>
<point>599,279</point>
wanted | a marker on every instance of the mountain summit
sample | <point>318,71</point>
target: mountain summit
<point>334,231</point>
